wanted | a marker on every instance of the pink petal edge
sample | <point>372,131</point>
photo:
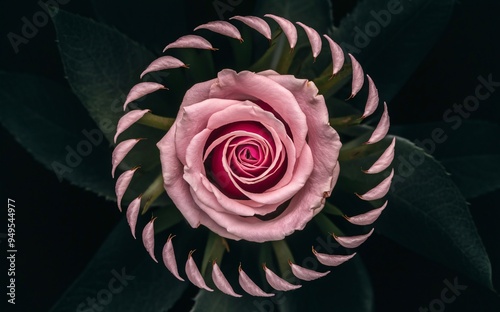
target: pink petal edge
<point>222,27</point>
<point>352,241</point>
<point>384,161</point>
<point>122,184</point>
<point>221,282</point>
<point>358,77</point>
<point>249,286</point>
<point>133,213</point>
<point>128,120</point>
<point>256,23</point>
<point>148,238</point>
<point>314,39</point>
<point>190,41</point>
<point>120,151</point>
<point>306,274</point>
<point>168,255</point>
<point>368,217</point>
<point>277,282</point>
<point>338,57</point>
<point>287,27</point>
<point>372,100</point>
<point>162,63</point>
<point>382,127</point>
<point>141,89</point>
<point>194,275</point>
<point>331,260</point>
<point>378,191</point>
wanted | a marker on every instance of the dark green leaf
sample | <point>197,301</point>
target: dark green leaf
<point>149,286</point>
<point>388,45</point>
<point>49,122</point>
<point>426,212</point>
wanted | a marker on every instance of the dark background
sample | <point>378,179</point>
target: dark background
<point>59,226</point>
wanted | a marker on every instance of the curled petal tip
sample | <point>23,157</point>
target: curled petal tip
<point>277,282</point>
<point>191,41</point>
<point>331,260</point>
<point>287,27</point>
<point>256,23</point>
<point>372,101</point>
<point>148,238</point>
<point>358,77</point>
<point>141,89</point>
<point>221,282</point>
<point>128,120</point>
<point>368,217</point>
<point>382,127</point>
<point>194,275</point>
<point>314,39</point>
<point>223,28</point>
<point>168,256</point>
<point>378,191</point>
<point>338,57</point>
<point>384,161</point>
<point>120,151</point>
<point>133,213</point>
<point>122,184</point>
<point>249,286</point>
<point>306,274</point>
<point>163,63</point>
<point>352,241</point>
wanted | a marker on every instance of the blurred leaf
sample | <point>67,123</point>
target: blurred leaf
<point>390,38</point>
<point>465,149</point>
<point>426,211</point>
<point>144,285</point>
<point>49,122</point>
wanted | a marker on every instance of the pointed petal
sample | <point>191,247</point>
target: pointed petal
<point>249,286</point>
<point>287,27</point>
<point>368,217</point>
<point>314,39</point>
<point>384,161</point>
<point>191,41</point>
<point>382,127</point>
<point>338,57</point>
<point>352,241</point>
<point>133,213</point>
<point>378,191</point>
<point>221,282</point>
<point>128,120</point>
<point>148,238</point>
<point>120,151</point>
<point>256,23</point>
<point>277,282</point>
<point>168,256</point>
<point>223,28</point>
<point>162,63</point>
<point>358,76</point>
<point>372,101</point>
<point>331,260</point>
<point>141,89</point>
<point>306,274</point>
<point>122,184</point>
<point>194,275</point>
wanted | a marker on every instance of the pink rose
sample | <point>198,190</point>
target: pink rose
<point>251,155</point>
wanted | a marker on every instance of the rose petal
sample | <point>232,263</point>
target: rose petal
<point>168,256</point>
<point>331,260</point>
<point>256,23</point>
<point>337,55</point>
<point>223,28</point>
<point>372,101</point>
<point>352,241</point>
<point>221,282</point>
<point>357,76</point>
<point>249,286</point>
<point>314,39</point>
<point>148,238</point>
<point>368,217</point>
<point>120,151</point>
<point>141,89</point>
<point>162,63</point>
<point>382,127</point>
<point>193,273</point>
<point>133,213</point>
<point>191,41</point>
<point>122,184</point>
<point>287,27</point>
<point>306,274</point>
<point>277,282</point>
<point>384,161</point>
<point>128,120</point>
<point>378,191</point>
